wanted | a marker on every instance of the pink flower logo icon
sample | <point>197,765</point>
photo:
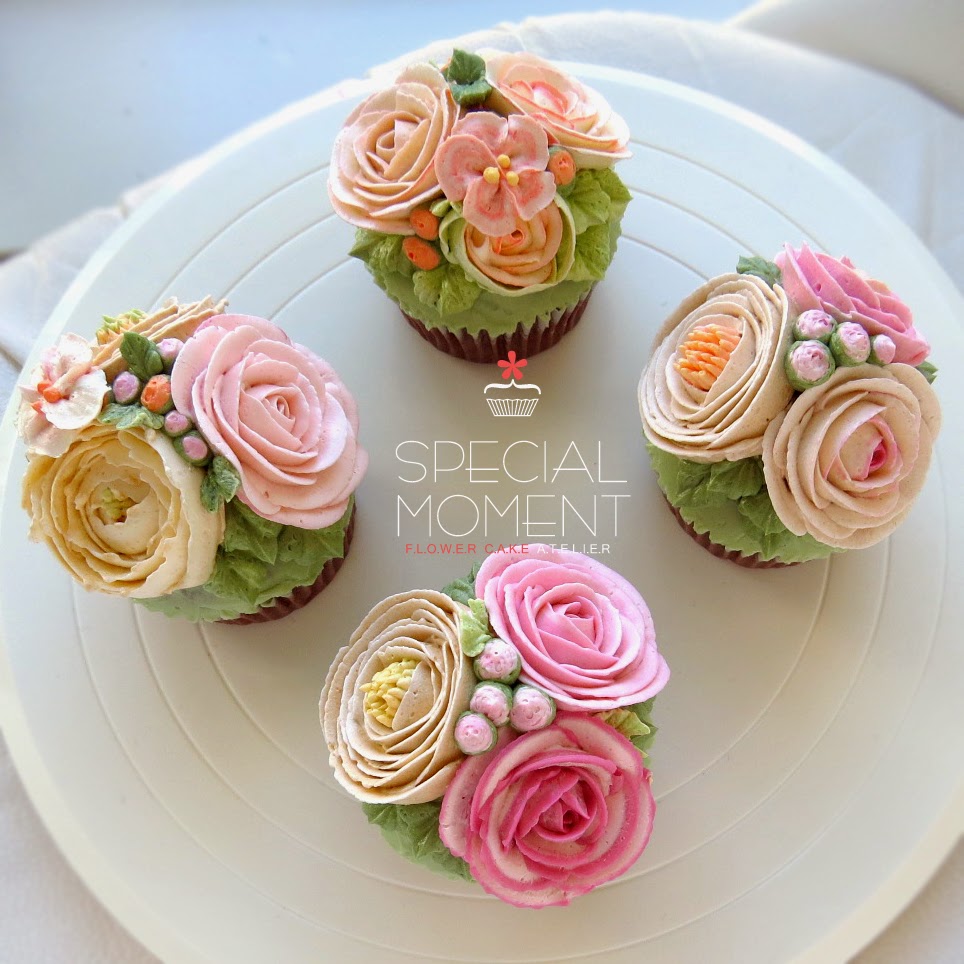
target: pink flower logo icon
<point>511,367</point>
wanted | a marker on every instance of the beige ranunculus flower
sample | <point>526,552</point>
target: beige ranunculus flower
<point>122,512</point>
<point>849,457</point>
<point>716,378</point>
<point>392,697</point>
<point>383,161</point>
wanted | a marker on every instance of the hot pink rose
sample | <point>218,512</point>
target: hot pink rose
<point>814,280</point>
<point>278,413</point>
<point>584,633</point>
<point>574,115</point>
<point>550,815</point>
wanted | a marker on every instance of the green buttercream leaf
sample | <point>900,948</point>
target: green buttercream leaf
<point>593,254</point>
<point>446,288</point>
<point>760,267</point>
<point>469,95</point>
<point>717,482</point>
<point>221,482</point>
<point>412,831</point>
<point>475,629</point>
<point>141,355</point>
<point>130,416</point>
<point>635,723</point>
<point>464,67</point>
<point>613,185</point>
<point>381,252</point>
<point>441,208</point>
<point>463,590</point>
<point>258,561</point>
<point>588,200</point>
<point>928,370</point>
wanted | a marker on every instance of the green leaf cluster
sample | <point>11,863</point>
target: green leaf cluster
<point>595,198</point>
<point>717,482</point>
<point>475,631</point>
<point>635,723</point>
<point>446,288</point>
<point>381,252</point>
<point>463,590</point>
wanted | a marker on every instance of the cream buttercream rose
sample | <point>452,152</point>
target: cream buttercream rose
<point>278,413</point>
<point>122,512</point>
<point>716,380</point>
<point>848,458</point>
<point>383,161</point>
<point>574,115</point>
<point>583,632</point>
<point>391,699</point>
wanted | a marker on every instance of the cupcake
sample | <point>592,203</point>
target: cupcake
<point>498,730</point>
<point>198,462</point>
<point>484,198</point>
<point>788,410</point>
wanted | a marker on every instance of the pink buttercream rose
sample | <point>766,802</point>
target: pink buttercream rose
<point>584,634</point>
<point>278,413</point>
<point>574,115</point>
<point>814,280</point>
<point>550,815</point>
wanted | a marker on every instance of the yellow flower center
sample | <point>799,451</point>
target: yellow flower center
<point>700,360</point>
<point>114,505</point>
<point>504,161</point>
<point>512,178</point>
<point>491,174</point>
<point>387,689</point>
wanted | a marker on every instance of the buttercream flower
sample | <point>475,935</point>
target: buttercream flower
<point>550,815</point>
<point>815,280</point>
<point>122,512</point>
<point>848,458</point>
<point>278,413</point>
<point>716,377</point>
<point>392,697</point>
<point>496,166</point>
<point>584,634</point>
<point>65,393</point>
<point>574,115</point>
<point>535,255</point>
<point>383,161</point>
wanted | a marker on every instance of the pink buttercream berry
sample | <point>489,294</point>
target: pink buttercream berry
<point>493,700</point>
<point>474,734</point>
<point>498,661</point>
<point>532,709</point>
<point>882,349</point>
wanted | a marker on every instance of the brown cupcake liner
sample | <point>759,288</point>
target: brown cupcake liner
<point>524,341</point>
<point>300,595</point>
<point>732,555</point>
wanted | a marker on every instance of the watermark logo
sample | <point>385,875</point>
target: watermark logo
<point>509,399</point>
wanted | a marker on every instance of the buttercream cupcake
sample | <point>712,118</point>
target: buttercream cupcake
<point>485,199</point>
<point>789,411</point>
<point>198,462</point>
<point>499,730</point>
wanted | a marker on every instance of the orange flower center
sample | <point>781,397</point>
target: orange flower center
<point>700,360</point>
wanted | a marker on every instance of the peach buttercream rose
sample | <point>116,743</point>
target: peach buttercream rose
<point>536,254</point>
<point>849,457</point>
<point>278,413</point>
<point>574,115</point>
<point>392,697</point>
<point>121,510</point>
<point>383,161</point>
<point>716,379</point>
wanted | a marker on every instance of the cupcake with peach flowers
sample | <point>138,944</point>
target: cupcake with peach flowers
<point>484,198</point>
<point>198,462</point>
<point>789,411</point>
<point>499,730</point>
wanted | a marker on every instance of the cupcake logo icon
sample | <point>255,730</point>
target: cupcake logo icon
<point>509,399</point>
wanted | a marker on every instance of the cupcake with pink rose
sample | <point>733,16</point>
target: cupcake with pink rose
<point>499,730</point>
<point>198,462</point>
<point>788,410</point>
<point>484,198</point>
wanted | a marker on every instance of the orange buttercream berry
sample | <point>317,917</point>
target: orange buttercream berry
<point>421,254</point>
<point>701,358</point>
<point>51,394</point>
<point>425,224</point>
<point>562,167</point>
